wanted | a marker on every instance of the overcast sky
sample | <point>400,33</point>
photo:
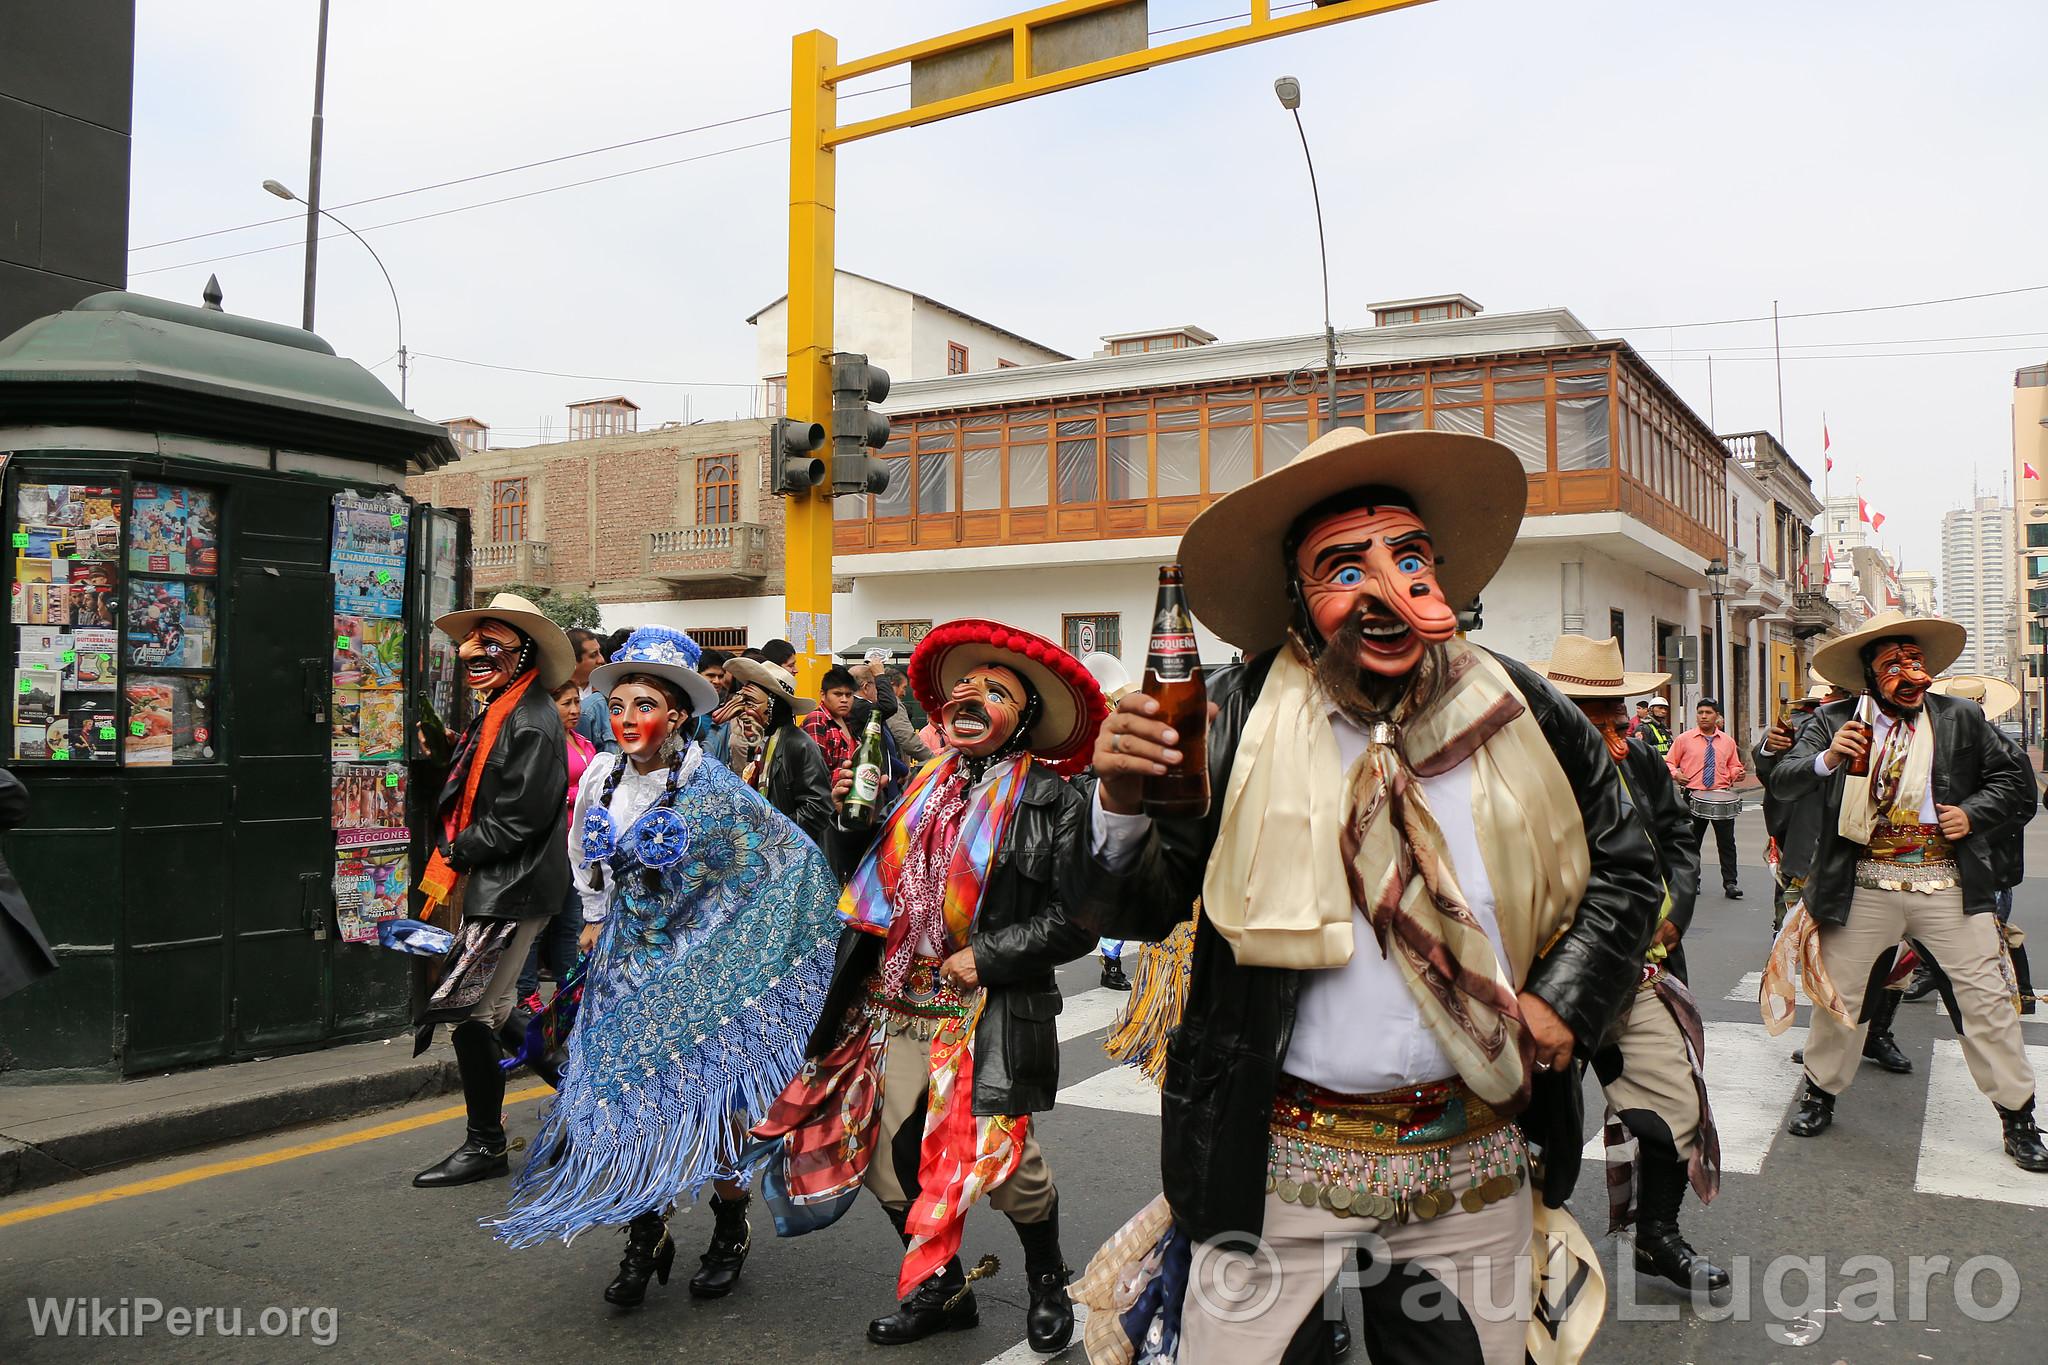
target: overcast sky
<point>1645,165</point>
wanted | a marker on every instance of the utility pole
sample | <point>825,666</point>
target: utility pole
<point>313,170</point>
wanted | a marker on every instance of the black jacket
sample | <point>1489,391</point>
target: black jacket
<point>800,786</point>
<point>1020,933</point>
<point>1223,1063</point>
<point>25,954</point>
<point>1669,825</point>
<point>1975,768</point>
<point>516,848</point>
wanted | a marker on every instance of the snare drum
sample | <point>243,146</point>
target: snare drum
<point>1720,805</point>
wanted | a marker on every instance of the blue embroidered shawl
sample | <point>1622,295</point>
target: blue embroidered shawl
<point>701,997</point>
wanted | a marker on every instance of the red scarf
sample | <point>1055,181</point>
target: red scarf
<point>438,882</point>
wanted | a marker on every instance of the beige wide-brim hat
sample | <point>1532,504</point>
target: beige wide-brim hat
<point>557,655</point>
<point>773,679</point>
<point>1995,695</point>
<point>1469,491</point>
<point>1840,660</point>
<point>1579,667</point>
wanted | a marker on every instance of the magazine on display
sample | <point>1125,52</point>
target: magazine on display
<point>345,735</point>
<point>369,886</point>
<point>169,624</point>
<point>173,530</point>
<point>170,720</point>
<point>369,652</point>
<point>368,555</point>
<point>369,804</point>
<point>94,666</point>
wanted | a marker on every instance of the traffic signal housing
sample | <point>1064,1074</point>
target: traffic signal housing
<point>794,446</point>
<point>856,427</point>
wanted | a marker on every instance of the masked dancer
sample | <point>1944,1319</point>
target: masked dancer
<point>771,752</point>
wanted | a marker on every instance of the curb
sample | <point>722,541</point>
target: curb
<point>128,1139</point>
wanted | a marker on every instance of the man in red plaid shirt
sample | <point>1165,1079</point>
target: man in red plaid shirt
<point>827,725</point>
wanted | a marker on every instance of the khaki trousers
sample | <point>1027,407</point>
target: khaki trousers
<point>1965,945</point>
<point>1656,1075</point>
<point>1245,1308</point>
<point>1026,1197</point>
<point>494,1006</point>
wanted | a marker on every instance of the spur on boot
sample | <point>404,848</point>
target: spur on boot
<point>730,1240</point>
<point>943,1303</point>
<point>650,1252</point>
<point>1816,1111</point>
<point>2023,1139</point>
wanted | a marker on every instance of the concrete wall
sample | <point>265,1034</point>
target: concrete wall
<point>895,329</point>
<point>67,77</point>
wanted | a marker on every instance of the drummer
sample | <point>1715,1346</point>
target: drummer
<point>1706,764</point>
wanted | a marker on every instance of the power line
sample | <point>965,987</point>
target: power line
<point>594,378</point>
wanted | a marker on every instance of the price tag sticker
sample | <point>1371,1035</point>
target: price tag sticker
<point>70,656</point>
<point>24,684</point>
<point>383,575</point>
<point>106,659</point>
<point>137,728</point>
<point>106,732</point>
<point>21,540</point>
<point>60,754</point>
<point>397,521</point>
<point>341,642</point>
<point>391,779</point>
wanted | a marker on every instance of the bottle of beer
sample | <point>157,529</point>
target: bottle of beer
<point>864,798</point>
<point>1173,678</point>
<point>1860,767</point>
<point>435,745</point>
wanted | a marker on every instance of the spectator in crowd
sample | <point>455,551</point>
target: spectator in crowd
<point>773,753</point>
<point>778,652</point>
<point>715,734</point>
<point>895,685</point>
<point>1705,760</point>
<point>594,723</point>
<point>1655,729</point>
<point>828,724</point>
<point>1642,714</point>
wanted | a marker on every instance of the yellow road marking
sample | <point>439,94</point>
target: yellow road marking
<point>157,1184</point>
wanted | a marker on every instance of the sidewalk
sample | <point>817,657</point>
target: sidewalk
<point>55,1132</point>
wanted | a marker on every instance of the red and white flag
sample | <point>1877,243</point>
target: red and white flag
<point>1877,521</point>
<point>1826,444</point>
<point>1862,509</point>
<point>2028,471</point>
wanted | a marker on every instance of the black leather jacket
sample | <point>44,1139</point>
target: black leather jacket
<point>800,786</point>
<point>1975,768</point>
<point>1223,1063</point>
<point>516,848</point>
<point>1669,825</point>
<point>24,953</point>
<point>1020,933</point>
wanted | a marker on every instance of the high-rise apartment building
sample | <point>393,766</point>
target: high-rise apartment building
<point>1979,580</point>
<point>2030,478</point>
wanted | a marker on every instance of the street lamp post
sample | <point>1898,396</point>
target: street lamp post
<point>1289,91</point>
<point>283,191</point>
<point>312,199</point>
<point>1717,574</point>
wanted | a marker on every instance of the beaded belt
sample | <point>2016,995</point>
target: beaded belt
<point>1389,1156</point>
<point>1908,858</point>
<point>926,1004</point>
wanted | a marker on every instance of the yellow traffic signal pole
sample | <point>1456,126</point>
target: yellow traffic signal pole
<point>814,134</point>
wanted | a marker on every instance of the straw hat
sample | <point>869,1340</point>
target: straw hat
<point>1109,674</point>
<point>1840,660</point>
<point>1071,707</point>
<point>658,651</point>
<point>1469,491</point>
<point>1580,667</point>
<point>1995,695</point>
<point>557,655</point>
<point>773,679</point>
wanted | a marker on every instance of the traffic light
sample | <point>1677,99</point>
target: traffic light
<point>793,448</point>
<point>856,427</point>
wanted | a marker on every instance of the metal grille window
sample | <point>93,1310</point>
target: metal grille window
<point>508,509</point>
<point>718,490</point>
<point>719,637</point>
<point>912,631</point>
<point>1092,633</point>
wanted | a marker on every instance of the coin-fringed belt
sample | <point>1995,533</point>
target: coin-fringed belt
<point>926,1004</point>
<point>1908,858</point>
<point>1393,1155</point>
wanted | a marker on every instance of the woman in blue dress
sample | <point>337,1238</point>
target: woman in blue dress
<point>710,921</point>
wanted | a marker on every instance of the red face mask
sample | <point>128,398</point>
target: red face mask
<point>489,655</point>
<point>1901,672</point>
<point>1369,575</point>
<point>1610,718</point>
<point>983,710</point>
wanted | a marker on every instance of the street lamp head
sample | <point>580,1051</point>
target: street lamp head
<point>1289,91</point>
<point>277,188</point>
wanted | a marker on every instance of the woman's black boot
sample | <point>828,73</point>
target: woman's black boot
<point>649,1251</point>
<point>730,1240</point>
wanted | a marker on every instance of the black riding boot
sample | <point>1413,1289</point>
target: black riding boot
<point>1816,1112</point>
<point>2023,1139</point>
<point>1049,1322</point>
<point>482,1153</point>
<point>1113,977</point>
<point>1878,1045</point>
<point>730,1241</point>
<point>943,1303</point>
<point>1661,1249</point>
<point>650,1251</point>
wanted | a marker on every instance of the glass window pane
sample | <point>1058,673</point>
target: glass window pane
<point>1520,427</point>
<point>934,482</point>
<point>1460,393</point>
<point>1083,427</point>
<point>1283,441</point>
<point>1027,476</point>
<point>1396,399</point>
<point>1397,381</point>
<point>1297,408</point>
<point>1190,417</point>
<point>1582,383</point>
<point>1180,463</point>
<point>1582,433</point>
<point>170,720</point>
<point>1077,475</point>
<point>1129,405</point>
<point>1229,396</point>
<point>1233,413</point>
<point>942,437</point>
<point>986,419</point>
<point>1126,467</point>
<point>1471,421</point>
<point>1398,421</point>
<point>1504,371</point>
<point>1230,458</point>
<point>990,436</point>
<point>894,501</point>
<point>1442,377</point>
<point>1031,431</point>
<point>981,481</point>
<point>1124,424</point>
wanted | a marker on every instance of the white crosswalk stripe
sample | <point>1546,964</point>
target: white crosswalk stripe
<point>1090,1012</point>
<point>1751,1078</point>
<point>1962,1149</point>
<point>1747,988</point>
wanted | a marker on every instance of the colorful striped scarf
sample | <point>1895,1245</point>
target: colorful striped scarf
<point>870,901</point>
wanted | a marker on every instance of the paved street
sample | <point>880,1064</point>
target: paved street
<point>1910,1169</point>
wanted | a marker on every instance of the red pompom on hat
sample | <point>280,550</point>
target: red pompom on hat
<point>1071,705</point>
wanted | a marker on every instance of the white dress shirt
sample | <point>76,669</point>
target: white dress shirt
<point>1879,728</point>
<point>1356,1028</point>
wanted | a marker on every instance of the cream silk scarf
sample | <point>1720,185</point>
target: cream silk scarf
<point>1280,888</point>
<point>1859,806</point>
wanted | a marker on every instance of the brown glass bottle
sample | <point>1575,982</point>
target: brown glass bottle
<point>1860,767</point>
<point>1173,678</point>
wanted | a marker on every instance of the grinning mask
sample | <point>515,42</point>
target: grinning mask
<point>493,656</point>
<point>1366,577</point>
<point>1897,672</point>
<point>644,715</point>
<point>986,709</point>
<point>1610,717</point>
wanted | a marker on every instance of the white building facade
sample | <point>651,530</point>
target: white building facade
<point>1980,582</point>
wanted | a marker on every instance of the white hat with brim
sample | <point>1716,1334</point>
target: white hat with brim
<point>1995,695</point>
<point>659,652</point>
<point>1469,491</point>
<point>1579,667</point>
<point>557,655</point>
<point>773,679</point>
<point>1109,674</point>
<point>1840,660</point>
